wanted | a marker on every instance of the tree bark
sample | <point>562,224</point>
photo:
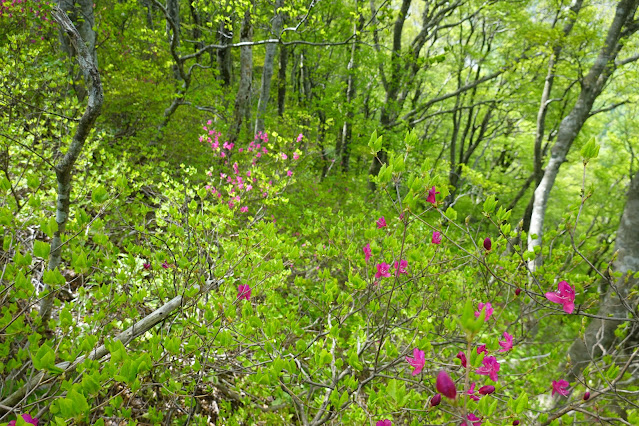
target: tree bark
<point>82,17</point>
<point>571,125</point>
<point>64,167</point>
<point>600,334</point>
<point>242,100</point>
<point>281,81</point>
<point>267,73</point>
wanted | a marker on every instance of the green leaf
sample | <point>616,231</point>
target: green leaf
<point>522,402</point>
<point>99,195</point>
<point>41,249</point>
<point>590,150</point>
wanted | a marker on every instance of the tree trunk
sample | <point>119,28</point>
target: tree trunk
<point>242,100</point>
<point>571,125</point>
<point>267,73</point>
<point>224,59</point>
<point>281,81</point>
<point>63,169</point>
<point>82,17</point>
<point>600,334</point>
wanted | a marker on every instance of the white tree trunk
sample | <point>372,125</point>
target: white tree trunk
<point>591,87</point>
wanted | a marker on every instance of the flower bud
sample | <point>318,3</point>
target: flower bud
<point>517,291</point>
<point>445,385</point>
<point>486,390</point>
<point>515,423</point>
<point>435,400</point>
<point>488,244</point>
<point>586,396</point>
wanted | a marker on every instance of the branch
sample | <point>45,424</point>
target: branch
<point>608,108</point>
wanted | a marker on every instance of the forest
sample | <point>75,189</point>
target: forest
<point>319,212</point>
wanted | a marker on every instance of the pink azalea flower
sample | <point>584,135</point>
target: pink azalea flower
<point>486,390</point>
<point>560,387</point>
<point>462,358</point>
<point>243,291</point>
<point>367,252</point>
<point>437,237</point>
<point>417,361</point>
<point>431,196</point>
<point>488,244</point>
<point>384,422</point>
<point>481,348</point>
<point>382,270</point>
<point>565,296</point>
<point>289,173</point>
<point>476,421</point>
<point>284,156</point>
<point>244,209</point>
<point>471,392</point>
<point>435,400</point>
<point>381,222</point>
<point>445,385</point>
<point>299,138</point>
<point>507,344</point>
<point>146,265</point>
<point>27,418</point>
<point>401,266</point>
<point>489,368</point>
<point>296,156</point>
<point>489,310</point>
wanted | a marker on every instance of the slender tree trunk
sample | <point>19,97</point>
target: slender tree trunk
<point>543,108</point>
<point>267,73</point>
<point>281,81</point>
<point>64,168</point>
<point>571,125</point>
<point>224,59</point>
<point>351,89</point>
<point>242,100</point>
<point>600,334</point>
<point>81,14</point>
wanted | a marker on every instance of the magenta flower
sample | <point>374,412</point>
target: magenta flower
<point>586,396</point>
<point>367,251</point>
<point>289,173</point>
<point>486,390</point>
<point>431,195</point>
<point>517,291</point>
<point>27,418</point>
<point>481,348</point>
<point>507,344</point>
<point>445,385</point>
<point>284,156</point>
<point>146,265</point>
<point>435,400</point>
<point>476,421</point>
<point>437,237</point>
<point>401,266</point>
<point>299,138</point>
<point>244,209</point>
<point>489,310</point>
<point>382,270</point>
<point>471,392</point>
<point>488,244</point>
<point>165,265</point>
<point>296,156</point>
<point>489,368</point>
<point>560,387</point>
<point>243,291</point>
<point>384,422</point>
<point>515,422</point>
<point>417,361</point>
<point>462,358</point>
<point>565,296</point>
<point>381,222</point>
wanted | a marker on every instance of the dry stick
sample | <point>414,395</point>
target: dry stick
<point>138,329</point>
